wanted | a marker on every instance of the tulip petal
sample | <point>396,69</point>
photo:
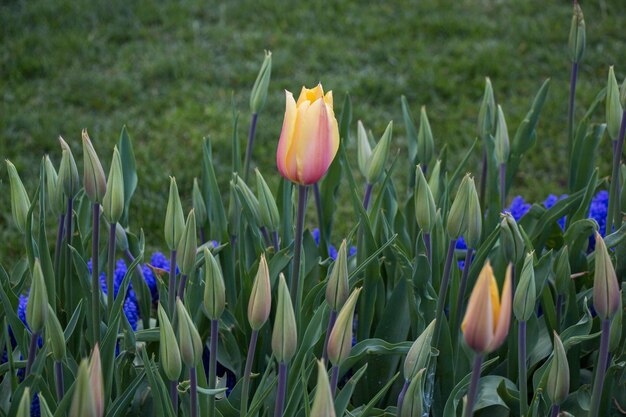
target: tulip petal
<point>287,166</point>
<point>504,317</point>
<point>310,94</point>
<point>477,325</point>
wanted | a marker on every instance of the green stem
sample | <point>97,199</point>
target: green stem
<point>193,381</point>
<point>443,290</point>
<point>171,289</point>
<point>213,364</point>
<point>58,378</point>
<point>333,380</point>
<point>245,389</point>
<point>32,351</point>
<point>570,113</point>
<point>297,251</point>
<point>251,135</point>
<point>68,257</point>
<point>331,323</point>
<point>95,274</point>
<point>111,271</point>
<point>521,364</point>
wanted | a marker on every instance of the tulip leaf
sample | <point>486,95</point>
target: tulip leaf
<point>162,403</point>
<point>129,171</point>
<point>458,392</point>
<point>343,398</point>
<point>120,404</point>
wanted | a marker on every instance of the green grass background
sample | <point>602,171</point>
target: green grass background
<point>169,71</point>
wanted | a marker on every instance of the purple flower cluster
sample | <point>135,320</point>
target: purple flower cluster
<point>332,250</point>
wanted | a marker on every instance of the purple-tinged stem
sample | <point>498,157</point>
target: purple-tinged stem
<point>32,351</point>
<point>572,102</point>
<point>174,395</point>
<point>181,286</point>
<point>193,381</point>
<point>559,311</point>
<point>281,389</point>
<point>427,245</point>
<point>58,378</point>
<point>295,272</point>
<point>556,409</point>
<point>111,271</point>
<point>171,288</point>
<point>213,364</point>
<point>202,238</point>
<point>95,274</point>
<point>443,290</point>
<point>425,168</point>
<point>368,196</point>
<point>276,240</point>
<point>603,357</point>
<point>245,389</point>
<point>266,236</point>
<point>333,380</point>
<point>331,323</point>
<point>483,179</point>
<point>521,365</point>
<point>68,254</point>
<point>401,396</point>
<point>57,248</point>
<point>251,134</point>
<point>614,214</point>
<point>458,312</point>
<point>503,185</point>
<point>320,211</point>
<point>473,389</point>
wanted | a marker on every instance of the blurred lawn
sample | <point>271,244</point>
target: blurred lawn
<point>169,70</point>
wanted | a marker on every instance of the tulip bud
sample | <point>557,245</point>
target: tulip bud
<point>37,307</point>
<point>214,290</point>
<point>562,271</point>
<point>502,139</point>
<point>93,178</point>
<point>247,198</point>
<point>96,382</point>
<point>24,408</point>
<point>615,335</point>
<point>309,139</point>
<point>434,182</point>
<point>413,399</point>
<point>190,342</point>
<point>121,239</point>
<point>113,202</point>
<point>622,93</point>
<point>438,239</point>
<point>425,210</point>
<point>337,289</point>
<point>285,333</point>
<point>340,339</point>
<point>558,375</point>
<point>260,302</point>
<point>613,106</point>
<point>323,403</point>
<point>364,150</point>
<point>267,204</point>
<point>576,41</point>
<point>511,240</point>
<point>261,85</point>
<point>68,173</point>
<point>198,204</point>
<point>425,142</point>
<point>188,245</point>
<point>458,217</point>
<point>55,336</point>
<point>20,203</point>
<point>419,354</point>
<point>83,402</point>
<point>487,113</point>
<point>168,348</point>
<point>56,200</point>
<point>525,294</point>
<point>174,219</point>
<point>475,218</point>
<point>605,287</point>
<point>376,164</point>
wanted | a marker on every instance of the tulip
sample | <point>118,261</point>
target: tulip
<point>323,404</point>
<point>93,176</point>
<point>56,342</point>
<point>214,291</point>
<point>37,308</point>
<point>96,382</point>
<point>260,302</point>
<point>189,338</point>
<point>434,182</point>
<point>576,41</point>
<point>24,408</point>
<point>511,240</point>
<point>199,207</point>
<point>169,352</point>
<point>606,296</point>
<point>20,203</point>
<point>309,139</point>
<point>425,208</point>
<point>187,247</point>
<point>267,205</point>
<point>284,341</point>
<point>68,173</point>
<point>414,405</point>
<point>558,374</point>
<point>425,142</point>
<point>613,105</point>
<point>174,218</point>
<point>83,401</point>
<point>417,359</point>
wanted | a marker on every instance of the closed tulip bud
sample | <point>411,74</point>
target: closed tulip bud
<point>247,198</point>
<point>267,204</point>
<point>434,182</point>
<point>54,333</point>
<point>363,147</point>
<point>37,307</point>
<point>23,410</point>
<point>190,342</point>
<point>488,315</point>
<point>96,382</point>
<point>487,113</point>
<point>56,200</point>
<point>558,375</point>
<point>113,202</point>
<point>439,243</point>
<point>475,218</point>
<point>188,245</point>
<point>285,332</point>
<point>93,178</point>
<point>83,402</point>
<point>68,173</point>
<point>214,290</point>
<point>458,218</point>
<point>20,203</point>
<point>425,210</point>
<point>613,106</point>
<point>121,238</point>
<point>309,139</point>
<point>419,354</point>
<point>616,328</point>
<point>323,403</point>
<point>340,339</point>
<point>174,218</point>
<point>425,142</point>
<point>168,348</point>
<point>562,271</point>
<point>413,405</point>
<point>260,302</point>
<point>511,240</point>
<point>605,287</point>
<point>576,40</point>
<point>376,165</point>
<point>198,204</point>
<point>337,289</point>
<point>502,139</point>
<point>261,85</point>
<point>525,293</point>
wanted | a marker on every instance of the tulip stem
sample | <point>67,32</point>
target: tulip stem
<point>193,381</point>
<point>320,216</point>
<point>251,134</point>
<point>331,323</point>
<point>95,274</point>
<point>333,380</point>
<point>295,272</point>
<point>502,185</point>
<point>401,397</point>
<point>111,271</point>
<point>427,245</point>
<point>276,240</point>
<point>458,312</point>
<point>614,215</point>
<point>57,248</point>
<point>266,236</point>
<point>68,255</point>
<point>58,377</point>
<point>171,290</point>
<point>570,113</point>
<point>245,389</point>
<point>559,308</point>
<point>473,389</point>
<point>443,289</point>
<point>521,364</point>
<point>555,410</point>
<point>483,178</point>
<point>368,195</point>
<point>202,238</point>
<point>281,389</point>
<point>603,357</point>
<point>213,364</point>
<point>181,286</point>
<point>32,351</point>
<point>174,395</point>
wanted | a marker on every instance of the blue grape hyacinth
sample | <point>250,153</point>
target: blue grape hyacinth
<point>332,250</point>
